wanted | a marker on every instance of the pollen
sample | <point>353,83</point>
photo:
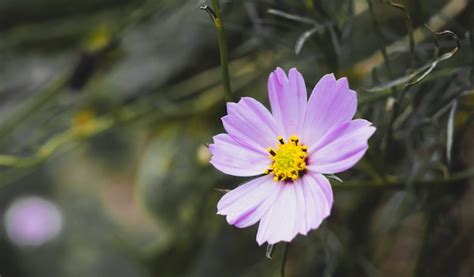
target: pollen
<point>288,159</point>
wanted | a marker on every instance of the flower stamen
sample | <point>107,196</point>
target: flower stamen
<point>288,160</point>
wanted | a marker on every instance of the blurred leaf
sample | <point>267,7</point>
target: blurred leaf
<point>421,73</point>
<point>293,17</point>
<point>304,37</point>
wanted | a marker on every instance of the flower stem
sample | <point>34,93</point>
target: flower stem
<point>31,106</point>
<point>224,56</point>
<point>283,260</point>
<point>399,183</point>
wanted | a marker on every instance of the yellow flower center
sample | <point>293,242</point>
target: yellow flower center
<point>289,159</point>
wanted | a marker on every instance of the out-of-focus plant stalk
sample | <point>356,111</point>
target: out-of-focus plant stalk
<point>14,121</point>
<point>54,143</point>
<point>246,71</point>
<point>436,22</point>
<point>378,32</point>
<point>409,26</point>
<point>393,182</point>
<point>388,68</point>
<point>224,55</point>
<point>283,260</point>
<point>43,153</point>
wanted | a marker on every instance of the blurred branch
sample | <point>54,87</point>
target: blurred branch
<point>293,17</point>
<point>210,93</point>
<point>54,29</point>
<point>436,22</point>
<point>73,27</point>
<point>416,76</point>
<point>377,95</point>
<point>70,27</point>
<point>415,80</point>
<point>12,122</point>
<point>53,144</point>
<point>392,182</point>
<point>317,28</point>
<point>437,59</point>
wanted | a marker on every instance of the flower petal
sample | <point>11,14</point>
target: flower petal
<point>235,159</point>
<point>341,148</point>
<point>319,199</point>
<point>288,99</point>
<point>251,124</point>
<point>279,221</point>
<point>245,205</point>
<point>297,209</point>
<point>331,103</point>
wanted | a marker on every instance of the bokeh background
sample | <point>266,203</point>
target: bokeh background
<point>106,108</point>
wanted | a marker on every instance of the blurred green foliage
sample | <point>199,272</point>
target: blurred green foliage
<point>106,108</point>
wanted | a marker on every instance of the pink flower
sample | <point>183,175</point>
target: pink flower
<point>32,221</point>
<point>289,149</point>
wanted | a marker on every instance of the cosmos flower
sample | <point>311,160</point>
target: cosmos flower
<point>289,150</point>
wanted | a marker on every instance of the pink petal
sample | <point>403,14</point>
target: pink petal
<point>341,148</point>
<point>298,208</point>
<point>288,99</point>
<point>301,224</point>
<point>319,199</point>
<point>235,159</point>
<point>331,103</point>
<point>279,221</point>
<point>325,186</point>
<point>245,205</point>
<point>249,123</point>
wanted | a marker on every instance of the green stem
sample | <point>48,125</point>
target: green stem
<point>30,107</point>
<point>283,260</point>
<point>398,183</point>
<point>224,56</point>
